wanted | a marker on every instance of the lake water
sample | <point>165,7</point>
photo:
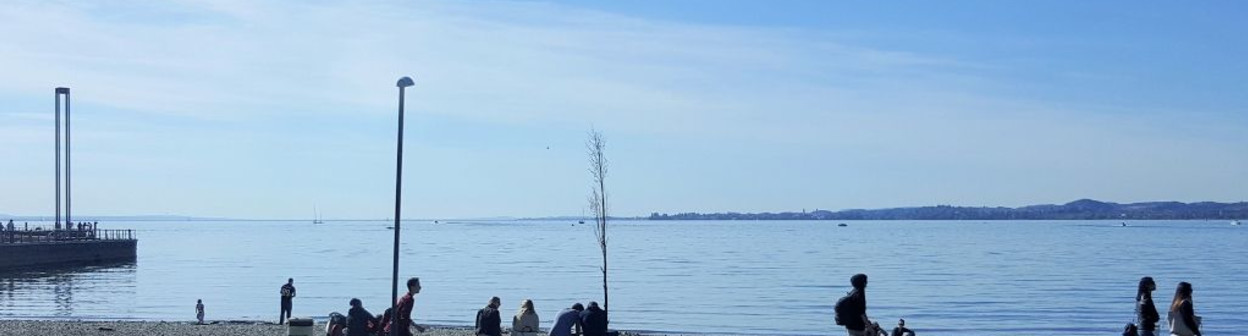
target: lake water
<point>762,278</point>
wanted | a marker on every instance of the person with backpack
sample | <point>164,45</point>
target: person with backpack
<point>851,310</point>
<point>1145,311</point>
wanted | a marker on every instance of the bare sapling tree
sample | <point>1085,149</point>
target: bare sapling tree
<point>598,203</point>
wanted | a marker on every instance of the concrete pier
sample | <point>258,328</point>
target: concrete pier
<point>19,253</point>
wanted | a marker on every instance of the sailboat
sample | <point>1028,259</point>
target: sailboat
<point>316,216</point>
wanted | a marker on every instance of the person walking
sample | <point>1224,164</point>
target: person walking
<point>199,311</point>
<point>1145,311</point>
<point>405,304</point>
<point>526,322</point>
<point>594,320</point>
<point>1182,316</point>
<point>851,310</point>
<point>288,296</point>
<point>489,323</point>
<point>568,322</point>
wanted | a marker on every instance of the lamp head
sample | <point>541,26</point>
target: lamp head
<point>405,82</point>
<point>62,90</point>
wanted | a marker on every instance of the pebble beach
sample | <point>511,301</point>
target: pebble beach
<point>216,328</point>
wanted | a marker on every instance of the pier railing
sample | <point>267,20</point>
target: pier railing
<point>51,236</point>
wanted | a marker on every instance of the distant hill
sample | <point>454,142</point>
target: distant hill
<point>1081,209</point>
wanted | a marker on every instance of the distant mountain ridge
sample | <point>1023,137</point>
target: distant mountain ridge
<point>1080,209</point>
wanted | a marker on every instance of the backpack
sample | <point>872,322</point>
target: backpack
<point>1130,330</point>
<point>842,310</point>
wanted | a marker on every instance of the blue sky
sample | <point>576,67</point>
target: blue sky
<point>264,109</point>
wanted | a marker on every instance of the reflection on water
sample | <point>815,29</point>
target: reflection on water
<point>51,290</point>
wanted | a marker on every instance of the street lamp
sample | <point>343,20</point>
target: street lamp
<point>398,196</point>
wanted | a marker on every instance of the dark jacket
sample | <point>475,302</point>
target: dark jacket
<point>594,322</point>
<point>1188,314</point>
<point>857,307</point>
<point>489,321</point>
<point>1147,314</point>
<point>360,322</point>
<point>901,331</point>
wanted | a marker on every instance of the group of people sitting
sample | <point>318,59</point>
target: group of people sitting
<point>576,320</point>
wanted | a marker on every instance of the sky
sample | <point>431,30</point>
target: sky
<point>268,109</point>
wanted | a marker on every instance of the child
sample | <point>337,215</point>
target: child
<point>199,310</point>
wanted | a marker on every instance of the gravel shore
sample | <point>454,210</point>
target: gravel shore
<point>217,328</point>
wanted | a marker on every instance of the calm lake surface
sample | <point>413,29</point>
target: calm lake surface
<point>755,277</point>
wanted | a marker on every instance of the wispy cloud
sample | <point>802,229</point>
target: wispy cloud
<point>224,64</point>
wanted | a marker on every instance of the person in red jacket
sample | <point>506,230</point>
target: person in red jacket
<point>404,305</point>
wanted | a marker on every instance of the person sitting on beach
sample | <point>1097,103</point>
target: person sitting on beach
<point>1182,316</point>
<point>568,319</point>
<point>525,323</point>
<point>489,323</point>
<point>901,330</point>
<point>851,310</point>
<point>1145,310</point>
<point>403,320</point>
<point>360,322</point>
<point>594,320</point>
<point>199,311</point>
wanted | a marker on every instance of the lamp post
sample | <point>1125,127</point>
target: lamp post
<point>398,197</point>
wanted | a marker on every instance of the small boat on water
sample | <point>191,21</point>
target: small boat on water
<point>1235,222</point>
<point>842,225</point>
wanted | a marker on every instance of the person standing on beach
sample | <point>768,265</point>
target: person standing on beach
<point>288,295</point>
<point>199,311</point>
<point>404,313</point>
<point>594,320</point>
<point>566,320</point>
<point>489,323</point>
<point>1145,311</point>
<point>851,310</point>
<point>1182,316</point>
